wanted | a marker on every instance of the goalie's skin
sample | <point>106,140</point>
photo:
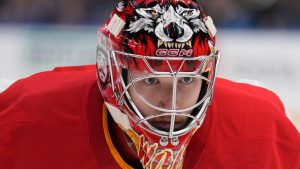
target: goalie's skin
<point>159,92</point>
<point>151,104</point>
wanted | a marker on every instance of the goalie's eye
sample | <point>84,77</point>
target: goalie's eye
<point>151,81</point>
<point>186,80</point>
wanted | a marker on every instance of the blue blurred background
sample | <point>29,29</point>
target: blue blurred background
<point>259,39</point>
<point>283,14</point>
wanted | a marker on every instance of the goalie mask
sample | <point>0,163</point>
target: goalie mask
<point>156,67</point>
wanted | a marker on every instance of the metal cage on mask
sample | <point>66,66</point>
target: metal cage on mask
<point>172,68</point>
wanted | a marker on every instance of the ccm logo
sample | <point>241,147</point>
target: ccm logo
<point>174,52</point>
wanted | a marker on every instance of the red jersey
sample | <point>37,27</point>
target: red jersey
<point>55,120</point>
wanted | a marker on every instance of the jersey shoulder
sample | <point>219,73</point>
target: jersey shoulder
<point>47,118</point>
<point>43,97</point>
<point>245,110</point>
<point>245,95</point>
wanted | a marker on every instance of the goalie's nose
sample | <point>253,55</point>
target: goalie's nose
<point>173,31</point>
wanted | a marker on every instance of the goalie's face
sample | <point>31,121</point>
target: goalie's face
<point>169,93</point>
